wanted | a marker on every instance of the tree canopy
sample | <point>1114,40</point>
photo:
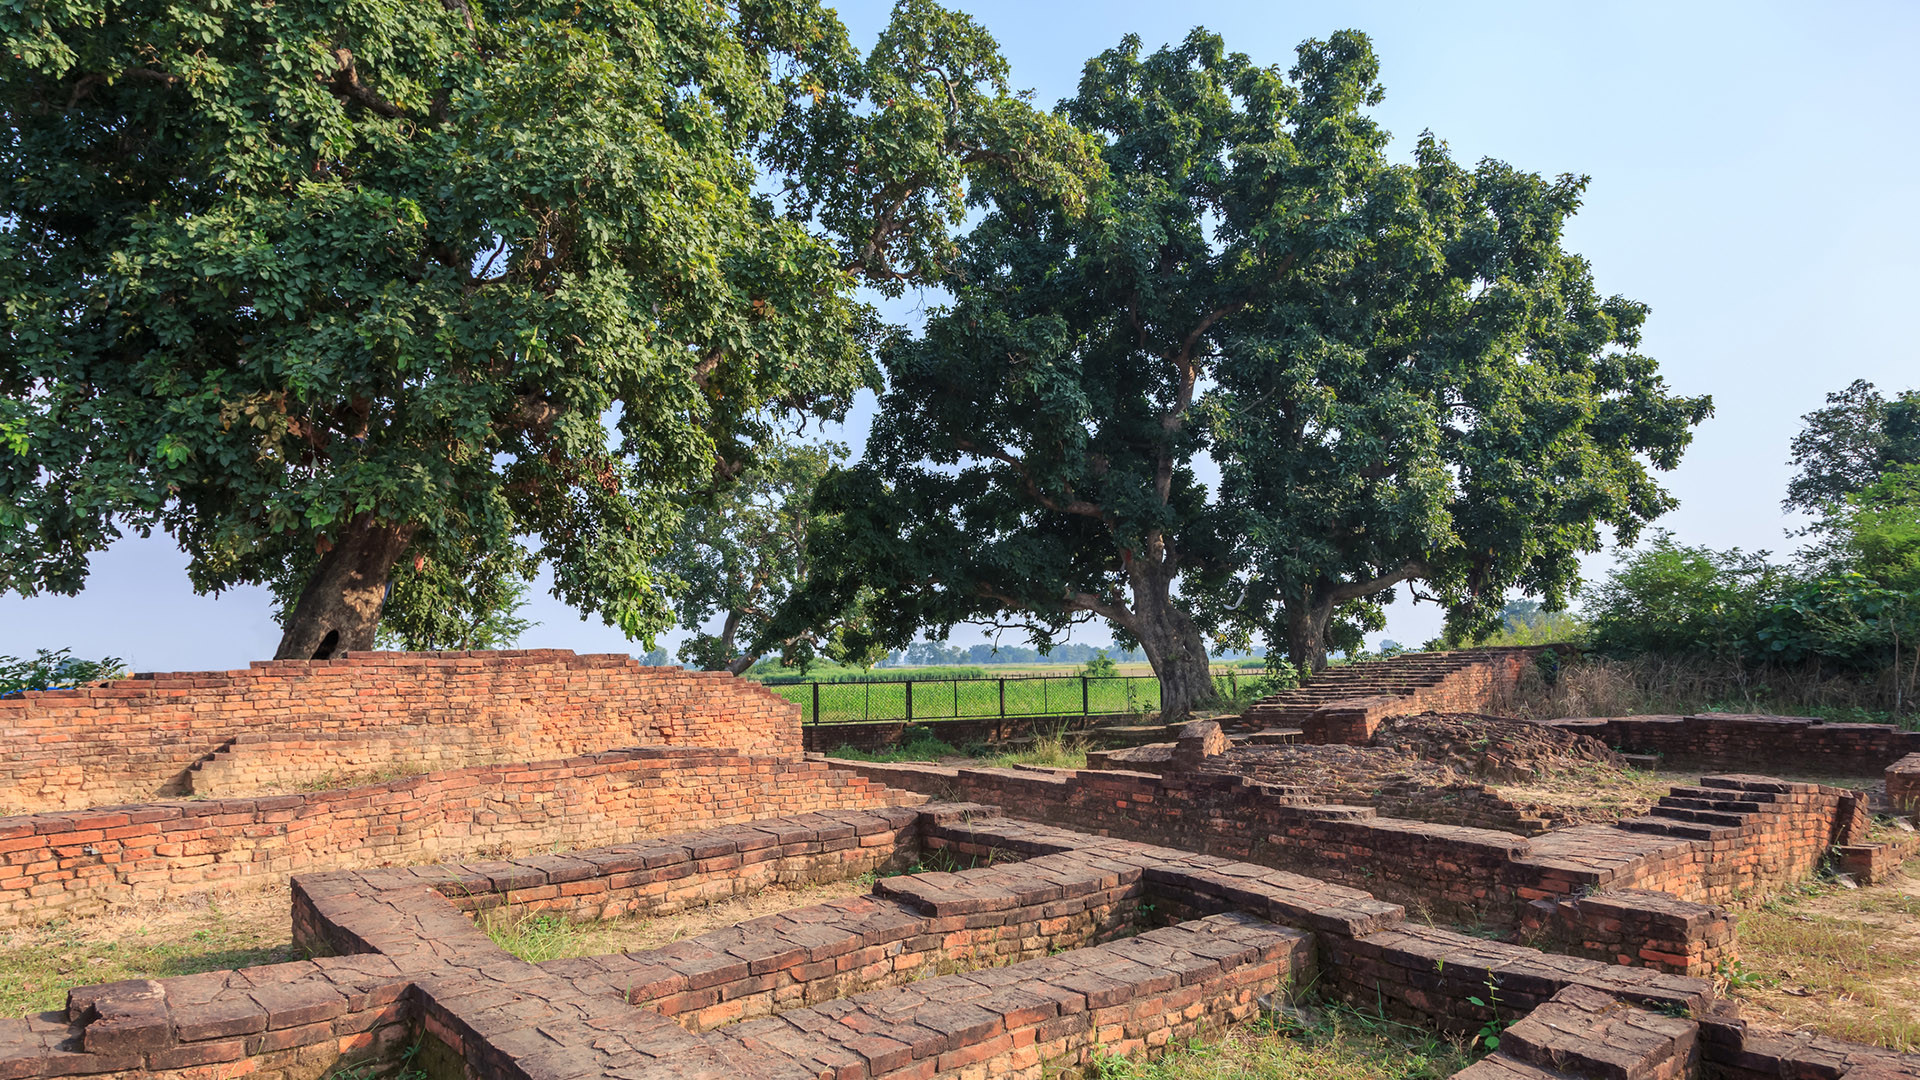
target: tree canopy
<point>1850,443</point>
<point>393,284</point>
<point>1398,371</point>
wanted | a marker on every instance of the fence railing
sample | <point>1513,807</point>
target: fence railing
<point>1011,697</point>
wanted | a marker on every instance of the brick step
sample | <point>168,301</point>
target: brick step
<point>1725,806</point>
<point>1764,798</point>
<point>1669,827</point>
<point>1703,817</point>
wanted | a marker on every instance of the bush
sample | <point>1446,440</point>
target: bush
<point>55,670</point>
<point>1673,599</point>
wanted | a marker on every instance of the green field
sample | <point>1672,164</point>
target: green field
<point>1013,695</point>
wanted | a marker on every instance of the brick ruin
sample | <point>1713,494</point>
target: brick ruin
<point>1084,912</point>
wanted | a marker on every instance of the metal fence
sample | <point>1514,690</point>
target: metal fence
<point>1012,697</point>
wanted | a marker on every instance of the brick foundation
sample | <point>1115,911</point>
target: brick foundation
<point>135,739</point>
<point>1346,704</point>
<point>1729,838</point>
<point>81,862</point>
<point>1793,744</point>
<point>834,984</point>
<point>1903,784</point>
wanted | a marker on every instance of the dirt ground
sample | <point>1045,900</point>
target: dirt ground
<point>1842,961</point>
<point>211,932</point>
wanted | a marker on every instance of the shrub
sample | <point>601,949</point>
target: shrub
<point>55,670</point>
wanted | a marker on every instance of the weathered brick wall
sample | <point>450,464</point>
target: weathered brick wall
<point>80,862</point>
<point>267,763</point>
<point>1635,928</point>
<point>1903,784</point>
<point>135,739</point>
<point>1346,704</point>
<point>1793,744</point>
<point>1772,833</point>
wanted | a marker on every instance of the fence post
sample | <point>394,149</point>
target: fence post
<point>1000,725</point>
<point>816,703</point>
<point>1085,709</point>
<point>909,701</point>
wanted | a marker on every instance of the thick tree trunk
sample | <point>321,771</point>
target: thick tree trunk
<point>1307,623</point>
<point>340,607</point>
<point>1173,644</point>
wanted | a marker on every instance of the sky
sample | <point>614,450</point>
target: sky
<point>1753,180</point>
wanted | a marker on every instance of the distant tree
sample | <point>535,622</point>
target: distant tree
<point>740,552</point>
<point>1409,381</point>
<point>1845,446</point>
<point>364,283</point>
<point>55,669</point>
<point>657,658</point>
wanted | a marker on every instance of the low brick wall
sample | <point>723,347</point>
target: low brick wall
<point>1794,744</point>
<point>1903,784</point>
<point>1635,927</point>
<point>82,862</point>
<point>880,734</point>
<point>135,739</point>
<point>1746,835</point>
<point>419,967</point>
<point>1346,705</point>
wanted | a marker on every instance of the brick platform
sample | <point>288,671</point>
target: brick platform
<point>832,991</point>
<point>1705,845</point>
<point>83,862</point>
<point>1795,744</point>
<point>1346,704</point>
<point>135,739</point>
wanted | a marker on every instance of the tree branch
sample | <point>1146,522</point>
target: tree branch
<point>1075,506</point>
<point>1340,594</point>
<point>345,84</point>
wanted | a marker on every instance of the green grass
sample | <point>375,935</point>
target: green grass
<point>38,965</point>
<point>1332,1043</point>
<point>1044,695</point>
<point>1052,751</point>
<point>534,937</point>
<point>921,746</point>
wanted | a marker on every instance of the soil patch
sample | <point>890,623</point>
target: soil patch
<point>1844,962</point>
<point>209,932</point>
<point>1437,767</point>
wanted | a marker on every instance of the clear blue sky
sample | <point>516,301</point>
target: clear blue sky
<point>1754,180</point>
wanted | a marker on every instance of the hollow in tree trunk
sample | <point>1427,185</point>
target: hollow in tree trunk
<point>339,609</point>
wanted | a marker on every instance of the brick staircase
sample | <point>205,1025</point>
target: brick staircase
<point>1345,704</point>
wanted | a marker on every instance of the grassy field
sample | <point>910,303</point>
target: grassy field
<point>1314,1043</point>
<point>998,695</point>
<point>1845,962</point>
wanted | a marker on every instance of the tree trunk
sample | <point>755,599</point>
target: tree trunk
<point>1173,644</point>
<point>1307,622</point>
<point>340,607</point>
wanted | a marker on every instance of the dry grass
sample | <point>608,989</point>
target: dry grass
<point>1845,962</point>
<point>1321,1044</point>
<point>1653,685</point>
<point>537,936</point>
<point>211,932</point>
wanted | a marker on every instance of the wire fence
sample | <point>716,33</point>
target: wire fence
<point>1012,697</point>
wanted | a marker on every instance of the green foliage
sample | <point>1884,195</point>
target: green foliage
<point>1850,443</point>
<point>1101,666</point>
<point>1525,622</point>
<point>1670,598</point>
<point>435,607</point>
<point>55,669</point>
<point>272,270</point>
<point>741,551</point>
<point>1400,373</point>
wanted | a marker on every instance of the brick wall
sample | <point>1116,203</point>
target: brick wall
<point>80,862</point>
<point>138,738</point>
<point>1794,744</point>
<point>1903,784</point>
<point>1764,835</point>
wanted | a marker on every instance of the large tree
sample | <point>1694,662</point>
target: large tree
<point>358,284</point>
<point>1254,281</point>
